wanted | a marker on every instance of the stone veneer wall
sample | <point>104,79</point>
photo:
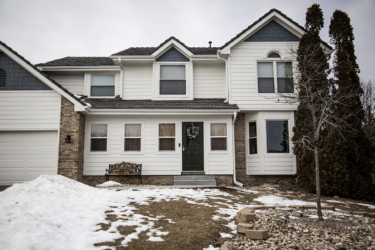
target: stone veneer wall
<point>286,181</point>
<point>71,154</point>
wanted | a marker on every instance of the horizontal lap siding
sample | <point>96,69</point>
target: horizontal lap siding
<point>74,82</point>
<point>209,80</point>
<point>243,75</point>
<point>137,81</point>
<point>153,161</point>
<point>29,110</point>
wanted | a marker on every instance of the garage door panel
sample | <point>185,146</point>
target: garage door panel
<point>41,163</point>
<point>40,150</point>
<point>43,137</point>
<point>26,155</point>
<point>11,177</point>
<point>13,137</point>
<point>10,150</point>
<point>9,164</point>
<point>33,175</point>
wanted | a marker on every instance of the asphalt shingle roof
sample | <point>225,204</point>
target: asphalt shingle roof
<point>79,61</point>
<point>205,104</point>
<point>144,51</point>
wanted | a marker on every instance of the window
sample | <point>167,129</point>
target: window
<point>132,137</point>
<point>253,138</point>
<point>166,137</point>
<point>102,85</point>
<point>218,136</point>
<point>275,76</point>
<point>3,78</point>
<point>277,137</point>
<point>99,137</point>
<point>172,80</point>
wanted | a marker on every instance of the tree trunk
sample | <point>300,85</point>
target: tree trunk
<point>318,205</point>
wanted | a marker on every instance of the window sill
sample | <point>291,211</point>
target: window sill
<point>217,152</point>
<point>174,152</point>
<point>133,153</point>
<point>98,153</point>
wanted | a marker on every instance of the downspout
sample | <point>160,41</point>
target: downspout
<point>234,152</point>
<point>226,76</point>
<point>121,77</point>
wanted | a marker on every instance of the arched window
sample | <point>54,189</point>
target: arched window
<point>3,78</point>
<point>273,55</point>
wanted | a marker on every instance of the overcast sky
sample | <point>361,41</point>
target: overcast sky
<point>44,30</point>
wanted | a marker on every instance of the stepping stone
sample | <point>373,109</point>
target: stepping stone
<point>296,206</point>
<point>329,207</point>
<point>244,217</point>
<point>242,227</point>
<point>360,213</point>
<point>371,215</point>
<point>345,212</point>
<point>256,234</point>
<point>309,206</point>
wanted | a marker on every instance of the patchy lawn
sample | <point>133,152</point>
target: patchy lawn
<point>53,212</point>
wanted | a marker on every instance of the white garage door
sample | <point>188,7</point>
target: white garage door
<point>26,155</point>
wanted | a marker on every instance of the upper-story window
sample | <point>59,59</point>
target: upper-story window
<point>3,78</point>
<point>172,80</point>
<point>275,76</point>
<point>102,85</point>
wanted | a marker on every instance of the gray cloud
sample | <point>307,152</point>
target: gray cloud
<point>43,30</point>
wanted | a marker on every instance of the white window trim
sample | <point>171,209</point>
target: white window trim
<point>87,84</point>
<point>274,70</point>
<point>289,140</point>
<point>188,78</point>
<point>226,137</point>
<point>175,140</point>
<point>142,139</point>
<point>108,133</point>
<point>248,137</point>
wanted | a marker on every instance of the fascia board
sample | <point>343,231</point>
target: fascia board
<point>159,112</point>
<point>77,106</point>
<point>79,68</point>
<point>204,57</point>
<point>168,44</point>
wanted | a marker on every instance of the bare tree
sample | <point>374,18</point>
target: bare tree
<point>368,102</point>
<point>318,103</point>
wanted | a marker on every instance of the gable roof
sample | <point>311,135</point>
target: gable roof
<point>147,51</point>
<point>79,61</point>
<point>44,77</point>
<point>261,19</point>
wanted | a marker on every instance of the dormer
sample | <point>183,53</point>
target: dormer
<point>173,72</point>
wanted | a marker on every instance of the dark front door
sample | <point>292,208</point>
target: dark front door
<point>192,146</point>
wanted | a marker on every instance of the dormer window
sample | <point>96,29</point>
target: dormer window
<point>103,85</point>
<point>172,80</point>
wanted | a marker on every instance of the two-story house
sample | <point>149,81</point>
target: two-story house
<point>178,110</point>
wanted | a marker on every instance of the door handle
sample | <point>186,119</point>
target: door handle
<point>183,148</point>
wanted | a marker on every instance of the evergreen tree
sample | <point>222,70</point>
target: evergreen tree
<point>312,89</point>
<point>346,165</point>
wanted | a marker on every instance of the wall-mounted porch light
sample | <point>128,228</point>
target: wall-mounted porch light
<point>67,139</point>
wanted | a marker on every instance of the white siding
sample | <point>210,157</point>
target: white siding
<point>243,75</point>
<point>29,110</point>
<point>155,162</point>
<point>209,79</point>
<point>138,81</point>
<point>264,163</point>
<point>72,81</point>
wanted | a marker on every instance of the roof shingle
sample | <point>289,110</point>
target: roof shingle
<point>79,61</point>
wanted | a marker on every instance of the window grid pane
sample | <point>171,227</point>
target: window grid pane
<point>218,144</point>
<point>284,69</point>
<point>172,72</point>
<point>167,144</point>
<point>102,80</point>
<point>132,130</point>
<point>132,144</point>
<point>102,90</point>
<point>219,129</point>
<point>166,130</point>
<point>98,144</point>
<point>98,130</point>
<point>265,69</point>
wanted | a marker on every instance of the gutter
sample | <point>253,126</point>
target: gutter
<point>121,77</point>
<point>226,75</point>
<point>234,152</point>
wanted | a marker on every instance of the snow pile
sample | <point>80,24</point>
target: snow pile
<point>276,200</point>
<point>53,212</point>
<point>109,184</point>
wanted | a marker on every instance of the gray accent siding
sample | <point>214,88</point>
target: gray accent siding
<point>172,55</point>
<point>273,32</point>
<point>18,78</point>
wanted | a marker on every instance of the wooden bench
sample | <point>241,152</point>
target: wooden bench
<point>124,168</point>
